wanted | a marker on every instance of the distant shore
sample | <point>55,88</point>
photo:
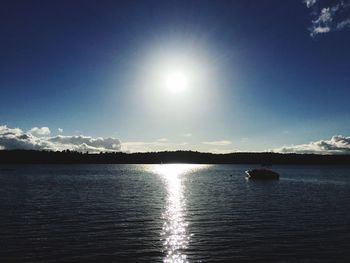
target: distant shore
<point>262,158</point>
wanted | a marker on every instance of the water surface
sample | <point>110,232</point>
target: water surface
<point>173,213</point>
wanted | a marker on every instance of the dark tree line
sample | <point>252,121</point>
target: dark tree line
<point>72,157</point>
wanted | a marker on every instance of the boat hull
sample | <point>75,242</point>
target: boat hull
<point>262,174</point>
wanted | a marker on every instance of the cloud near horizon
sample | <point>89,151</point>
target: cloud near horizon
<point>43,131</point>
<point>15,138</point>
<point>328,18</point>
<point>35,139</point>
<point>336,145</point>
<point>218,143</point>
<point>152,146</point>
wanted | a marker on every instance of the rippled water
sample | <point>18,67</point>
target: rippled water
<point>173,213</point>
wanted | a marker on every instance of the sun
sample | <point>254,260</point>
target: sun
<point>176,82</point>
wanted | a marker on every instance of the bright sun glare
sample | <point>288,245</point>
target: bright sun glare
<point>176,82</point>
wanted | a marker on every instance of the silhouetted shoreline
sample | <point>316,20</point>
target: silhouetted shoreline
<point>71,157</point>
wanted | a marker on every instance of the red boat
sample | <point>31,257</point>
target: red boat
<point>262,174</point>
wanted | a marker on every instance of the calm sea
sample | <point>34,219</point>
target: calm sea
<point>173,213</point>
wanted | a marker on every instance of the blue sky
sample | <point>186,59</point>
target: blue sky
<point>261,74</point>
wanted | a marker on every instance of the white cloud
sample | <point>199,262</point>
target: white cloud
<point>320,30</point>
<point>324,21</point>
<point>309,3</point>
<point>140,146</point>
<point>328,18</point>
<point>187,135</point>
<point>336,145</point>
<point>43,131</point>
<point>220,151</point>
<point>59,130</point>
<point>15,138</point>
<point>343,24</point>
<point>326,15</point>
<point>218,143</point>
<point>87,142</point>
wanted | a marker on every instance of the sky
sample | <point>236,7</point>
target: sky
<point>212,76</point>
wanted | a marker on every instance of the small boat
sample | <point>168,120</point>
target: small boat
<point>262,174</point>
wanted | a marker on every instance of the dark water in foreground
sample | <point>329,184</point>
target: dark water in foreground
<point>173,213</point>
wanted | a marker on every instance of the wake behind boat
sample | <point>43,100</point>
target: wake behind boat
<point>262,174</point>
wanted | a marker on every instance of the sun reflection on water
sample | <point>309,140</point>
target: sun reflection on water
<point>175,235</point>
